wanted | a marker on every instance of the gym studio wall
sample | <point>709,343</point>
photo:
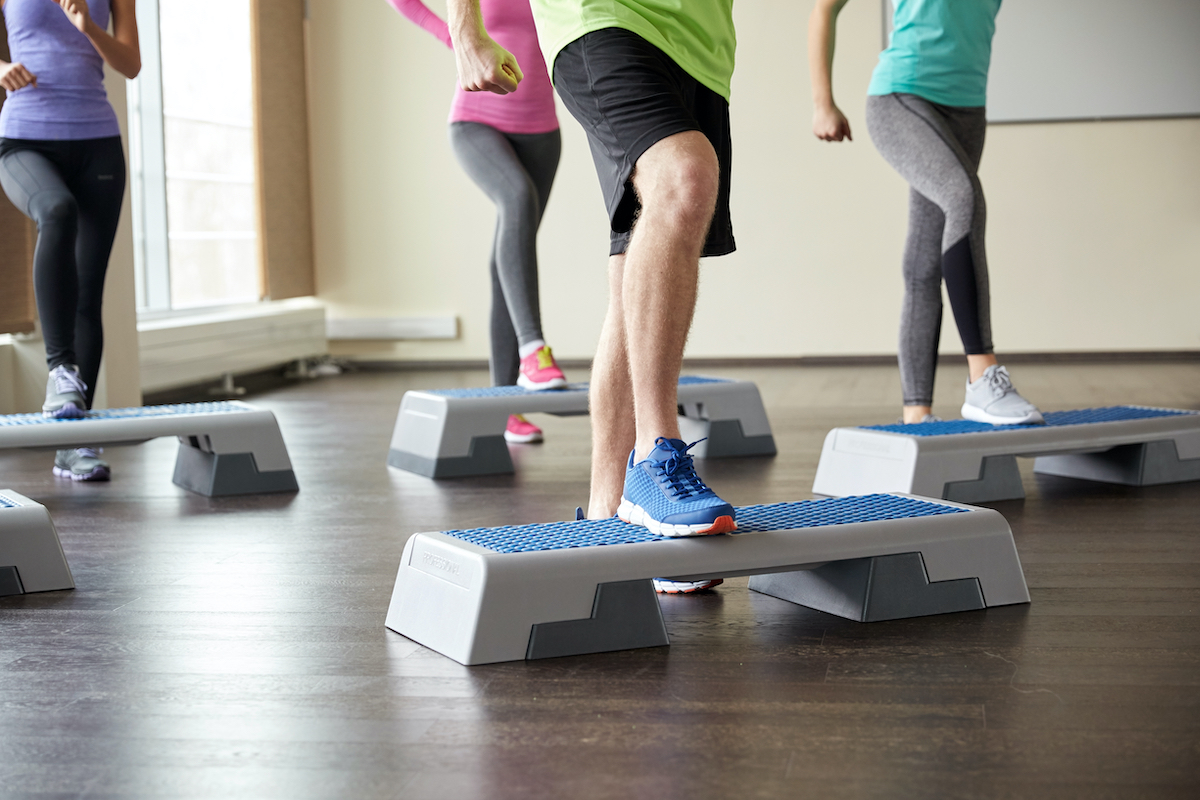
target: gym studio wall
<point>1094,228</point>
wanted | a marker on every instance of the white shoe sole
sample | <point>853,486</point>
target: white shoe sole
<point>523,438</point>
<point>684,587</point>
<point>636,515</point>
<point>976,414</point>
<point>531,386</point>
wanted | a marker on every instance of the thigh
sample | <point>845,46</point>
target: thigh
<point>28,174</point>
<point>968,127</point>
<point>628,95</point>
<point>539,154</point>
<point>488,158</point>
<point>97,179</point>
<point>918,143</point>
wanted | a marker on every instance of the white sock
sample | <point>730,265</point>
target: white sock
<point>532,347</point>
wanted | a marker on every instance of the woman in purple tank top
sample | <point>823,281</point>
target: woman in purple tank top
<point>62,164</point>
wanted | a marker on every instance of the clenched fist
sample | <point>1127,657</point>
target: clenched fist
<point>15,76</point>
<point>77,12</point>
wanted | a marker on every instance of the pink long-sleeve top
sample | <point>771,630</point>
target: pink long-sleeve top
<point>530,109</point>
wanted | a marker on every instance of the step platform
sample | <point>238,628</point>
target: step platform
<point>225,448</point>
<point>31,559</point>
<point>973,462</point>
<point>568,588</point>
<point>455,433</point>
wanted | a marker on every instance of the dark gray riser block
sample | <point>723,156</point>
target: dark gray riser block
<point>625,616</point>
<point>873,589</point>
<point>227,474</point>
<point>10,582</point>
<point>488,455</point>
<point>1149,464</point>
<point>726,440</point>
<point>999,479</point>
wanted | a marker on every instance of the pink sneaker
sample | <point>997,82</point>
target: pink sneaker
<point>539,372</point>
<point>521,431</point>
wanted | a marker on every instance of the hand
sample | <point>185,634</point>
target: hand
<point>484,66</point>
<point>830,125</point>
<point>15,76</point>
<point>77,12</point>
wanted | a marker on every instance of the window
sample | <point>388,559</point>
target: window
<point>192,153</point>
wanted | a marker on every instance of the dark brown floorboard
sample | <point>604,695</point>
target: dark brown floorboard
<point>236,647</point>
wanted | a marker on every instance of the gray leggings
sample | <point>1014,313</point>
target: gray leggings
<point>516,171</point>
<point>937,150</point>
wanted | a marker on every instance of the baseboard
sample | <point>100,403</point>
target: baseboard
<point>1113,357</point>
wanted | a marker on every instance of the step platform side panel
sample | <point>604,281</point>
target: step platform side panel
<point>437,596</point>
<point>730,414</point>
<point>912,567</point>
<point>447,437</point>
<point>29,542</point>
<point>255,432</point>
<point>1149,464</point>
<point>854,461</point>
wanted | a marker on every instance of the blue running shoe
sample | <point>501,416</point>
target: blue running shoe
<point>664,494</point>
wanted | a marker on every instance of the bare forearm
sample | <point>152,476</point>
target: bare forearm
<point>483,65</point>
<point>124,58</point>
<point>822,38</point>
<point>465,21</point>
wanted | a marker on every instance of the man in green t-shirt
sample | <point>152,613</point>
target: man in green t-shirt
<point>649,82</point>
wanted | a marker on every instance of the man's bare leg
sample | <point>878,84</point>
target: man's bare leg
<point>610,402</point>
<point>647,324</point>
<point>676,181</point>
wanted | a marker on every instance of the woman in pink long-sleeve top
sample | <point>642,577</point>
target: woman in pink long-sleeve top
<point>509,145</point>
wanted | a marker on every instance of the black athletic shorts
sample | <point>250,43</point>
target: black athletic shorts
<point>629,95</point>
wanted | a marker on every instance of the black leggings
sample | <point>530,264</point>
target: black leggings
<point>73,190</point>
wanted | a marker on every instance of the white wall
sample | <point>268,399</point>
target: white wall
<point>1094,237</point>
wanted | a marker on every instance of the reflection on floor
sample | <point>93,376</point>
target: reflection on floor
<point>235,647</point>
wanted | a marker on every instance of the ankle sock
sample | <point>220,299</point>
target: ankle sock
<point>531,347</point>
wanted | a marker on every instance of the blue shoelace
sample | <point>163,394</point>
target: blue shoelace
<point>680,473</point>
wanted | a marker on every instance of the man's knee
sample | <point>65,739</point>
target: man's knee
<point>679,175</point>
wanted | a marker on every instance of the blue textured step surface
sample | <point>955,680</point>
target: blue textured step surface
<point>1054,419</point>
<point>6,503</point>
<point>135,412</point>
<point>517,391</point>
<point>750,519</point>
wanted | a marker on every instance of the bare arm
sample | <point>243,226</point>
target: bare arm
<point>119,50</point>
<point>483,65</point>
<point>829,124</point>
<point>419,13</point>
<point>13,76</point>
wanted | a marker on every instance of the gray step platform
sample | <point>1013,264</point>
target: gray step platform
<point>539,591</point>
<point>973,462</point>
<point>226,448</point>
<point>31,559</point>
<point>454,433</point>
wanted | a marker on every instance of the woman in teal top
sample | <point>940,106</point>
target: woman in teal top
<point>925,113</point>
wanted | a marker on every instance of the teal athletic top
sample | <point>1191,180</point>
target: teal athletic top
<point>939,50</point>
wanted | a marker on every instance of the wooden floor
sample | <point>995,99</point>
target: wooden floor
<point>235,648</point>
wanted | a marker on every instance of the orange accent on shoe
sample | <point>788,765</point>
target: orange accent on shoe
<point>724,524</point>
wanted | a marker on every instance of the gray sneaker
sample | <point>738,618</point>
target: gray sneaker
<point>65,393</point>
<point>81,464</point>
<point>993,399</point>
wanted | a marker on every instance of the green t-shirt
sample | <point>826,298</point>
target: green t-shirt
<point>697,34</point>
<point>939,50</point>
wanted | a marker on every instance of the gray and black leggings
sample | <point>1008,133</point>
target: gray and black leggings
<point>73,190</point>
<point>937,150</point>
<point>516,170</point>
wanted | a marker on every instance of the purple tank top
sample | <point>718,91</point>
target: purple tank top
<point>69,101</point>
